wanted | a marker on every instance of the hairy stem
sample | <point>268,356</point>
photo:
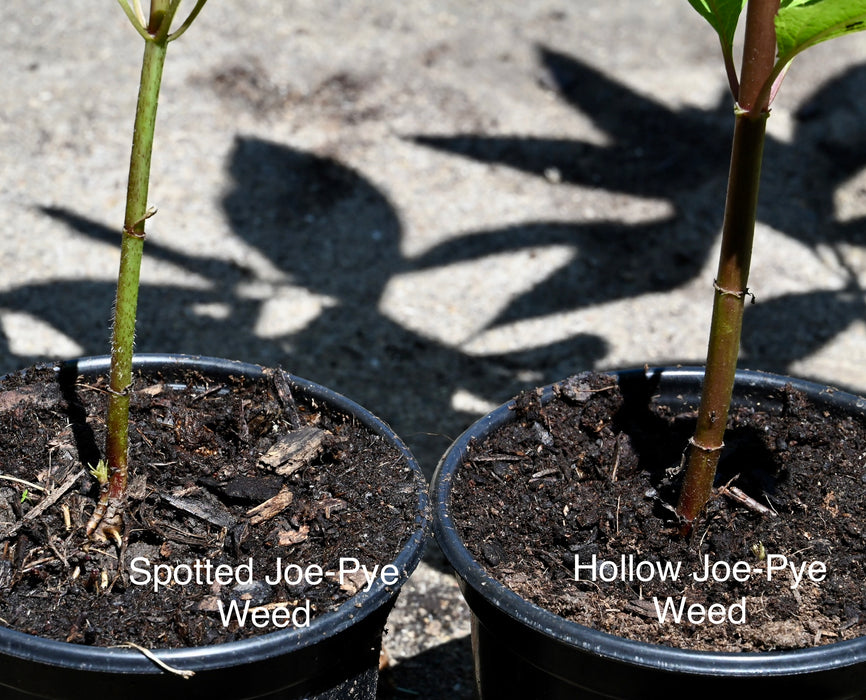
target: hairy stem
<point>107,520</point>
<point>734,259</point>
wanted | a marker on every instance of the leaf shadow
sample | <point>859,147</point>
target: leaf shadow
<point>678,155</point>
<point>325,229</point>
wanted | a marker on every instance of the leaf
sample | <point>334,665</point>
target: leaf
<point>804,23</point>
<point>722,15</point>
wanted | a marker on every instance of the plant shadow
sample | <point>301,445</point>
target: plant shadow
<point>326,231</point>
<point>331,236</point>
<point>680,156</point>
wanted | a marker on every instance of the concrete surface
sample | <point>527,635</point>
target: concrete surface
<point>426,206</point>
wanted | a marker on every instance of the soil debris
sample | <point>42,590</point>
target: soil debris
<point>577,518</point>
<point>295,450</point>
<point>207,526</point>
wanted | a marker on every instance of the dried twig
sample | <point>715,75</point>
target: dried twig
<point>273,606</point>
<point>43,505</point>
<point>545,472</point>
<point>496,458</point>
<point>271,508</point>
<point>28,484</point>
<point>615,462</point>
<point>208,392</point>
<point>740,496</point>
<point>280,380</point>
<point>57,552</point>
<point>159,662</point>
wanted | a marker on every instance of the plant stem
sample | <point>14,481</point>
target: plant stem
<point>107,520</point>
<point>734,259</point>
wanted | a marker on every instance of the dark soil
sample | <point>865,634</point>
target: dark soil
<point>197,471</point>
<point>592,474</point>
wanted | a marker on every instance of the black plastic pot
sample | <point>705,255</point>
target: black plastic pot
<point>523,651</point>
<point>337,656</point>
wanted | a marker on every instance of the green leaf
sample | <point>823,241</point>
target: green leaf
<point>804,23</point>
<point>722,15</point>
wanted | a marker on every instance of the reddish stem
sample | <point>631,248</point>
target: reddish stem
<point>734,260</point>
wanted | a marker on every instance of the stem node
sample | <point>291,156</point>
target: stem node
<point>706,448</point>
<point>724,291</point>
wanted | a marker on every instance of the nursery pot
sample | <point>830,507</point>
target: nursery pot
<point>336,656</point>
<point>523,651</point>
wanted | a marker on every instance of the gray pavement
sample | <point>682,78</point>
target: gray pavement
<point>426,206</point>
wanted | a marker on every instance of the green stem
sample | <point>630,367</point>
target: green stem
<point>107,519</point>
<point>731,286</point>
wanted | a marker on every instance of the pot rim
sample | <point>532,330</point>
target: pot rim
<point>354,610</point>
<point>655,656</point>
